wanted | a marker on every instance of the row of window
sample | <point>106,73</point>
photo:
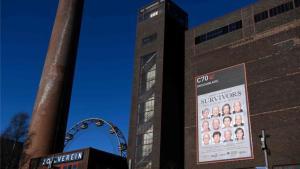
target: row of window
<point>147,112</point>
<point>219,32</point>
<point>261,16</point>
<point>146,108</point>
<point>281,8</point>
<point>276,11</point>
<point>238,25</point>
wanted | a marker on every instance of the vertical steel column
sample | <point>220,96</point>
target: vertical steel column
<point>50,113</point>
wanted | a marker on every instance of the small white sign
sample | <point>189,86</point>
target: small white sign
<point>153,14</point>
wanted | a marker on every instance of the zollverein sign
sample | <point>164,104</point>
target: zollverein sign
<point>64,158</point>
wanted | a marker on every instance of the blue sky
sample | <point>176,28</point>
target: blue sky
<point>104,69</point>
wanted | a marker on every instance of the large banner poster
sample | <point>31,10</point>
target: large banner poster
<point>223,125</point>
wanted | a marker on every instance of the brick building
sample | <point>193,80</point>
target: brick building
<point>158,88</point>
<point>263,39</point>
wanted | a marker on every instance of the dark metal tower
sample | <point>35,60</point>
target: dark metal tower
<point>156,126</point>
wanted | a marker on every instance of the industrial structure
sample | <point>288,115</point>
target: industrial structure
<point>222,95</point>
<point>50,113</point>
<point>238,76</point>
<point>156,125</point>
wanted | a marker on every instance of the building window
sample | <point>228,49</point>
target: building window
<point>146,111</point>
<point>235,26</point>
<point>200,39</point>
<point>149,39</point>
<point>148,72</point>
<point>150,77</point>
<point>144,146</point>
<point>146,150</point>
<point>149,165</point>
<point>148,136</point>
<point>297,3</point>
<point>147,58</point>
<point>281,9</point>
<point>261,16</point>
<point>219,32</point>
<point>149,109</point>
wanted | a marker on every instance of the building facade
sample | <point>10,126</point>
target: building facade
<point>158,88</point>
<point>245,66</point>
<point>264,37</point>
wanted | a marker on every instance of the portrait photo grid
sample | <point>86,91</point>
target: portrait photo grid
<point>220,120</point>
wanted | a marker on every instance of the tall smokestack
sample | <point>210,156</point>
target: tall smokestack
<point>50,113</point>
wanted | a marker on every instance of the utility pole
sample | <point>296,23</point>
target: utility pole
<point>264,147</point>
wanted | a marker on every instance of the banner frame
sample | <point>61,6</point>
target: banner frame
<point>248,114</point>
